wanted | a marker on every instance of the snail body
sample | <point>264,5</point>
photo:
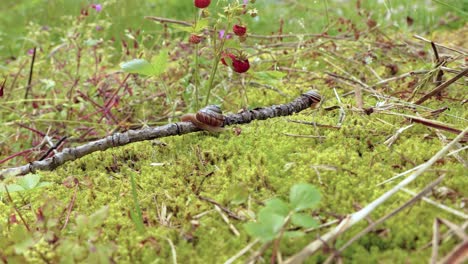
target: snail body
<point>209,118</point>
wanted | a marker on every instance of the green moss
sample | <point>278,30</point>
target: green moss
<point>349,163</point>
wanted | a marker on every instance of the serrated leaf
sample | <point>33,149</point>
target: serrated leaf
<point>277,206</point>
<point>259,231</point>
<point>273,221</point>
<point>303,196</point>
<point>188,29</point>
<point>29,181</point>
<point>201,24</point>
<point>160,62</point>
<point>303,220</point>
<point>139,66</point>
<point>267,228</point>
<point>269,75</point>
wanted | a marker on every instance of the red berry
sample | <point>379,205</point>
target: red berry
<point>230,55</point>
<point>195,39</point>
<point>202,3</point>
<point>239,30</point>
<point>238,65</point>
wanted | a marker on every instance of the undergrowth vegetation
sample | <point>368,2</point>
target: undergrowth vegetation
<point>269,187</point>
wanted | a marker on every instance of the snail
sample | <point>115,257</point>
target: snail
<point>209,118</point>
<point>314,96</point>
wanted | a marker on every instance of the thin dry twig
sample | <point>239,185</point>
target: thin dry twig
<point>227,211</point>
<point>441,87</point>
<point>440,45</point>
<point>386,217</point>
<point>226,220</point>
<point>354,218</point>
<point>120,139</point>
<point>435,241</point>
<point>459,254</point>
<point>242,252</point>
<point>173,250</point>
<point>439,205</point>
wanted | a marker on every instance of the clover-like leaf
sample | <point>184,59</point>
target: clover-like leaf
<point>303,220</point>
<point>268,226</point>
<point>304,196</point>
<point>11,188</point>
<point>139,66</point>
<point>29,181</point>
<point>277,206</point>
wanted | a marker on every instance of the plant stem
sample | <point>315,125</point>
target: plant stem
<point>197,76</point>
<point>218,53</point>
<point>197,70</point>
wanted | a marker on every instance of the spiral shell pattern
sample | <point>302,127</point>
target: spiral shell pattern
<point>211,115</point>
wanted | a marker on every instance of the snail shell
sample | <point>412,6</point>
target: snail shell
<point>314,96</point>
<point>209,118</point>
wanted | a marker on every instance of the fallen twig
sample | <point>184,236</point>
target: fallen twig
<point>440,45</point>
<point>354,218</point>
<point>441,87</point>
<point>370,227</point>
<point>120,139</point>
<point>439,205</point>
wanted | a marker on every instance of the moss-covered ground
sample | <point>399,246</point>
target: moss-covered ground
<point>89,211</point>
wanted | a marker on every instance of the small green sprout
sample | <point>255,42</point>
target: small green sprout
<point>26,183</point>
<point>277,215</point>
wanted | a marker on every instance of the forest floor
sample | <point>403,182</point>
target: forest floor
<point>383,153</point>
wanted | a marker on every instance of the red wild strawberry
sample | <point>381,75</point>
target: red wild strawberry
<point>239,30</point>
<point>202,3</point>
<point>239,64</point>
<point>230,55</point>
<point>195,39</point>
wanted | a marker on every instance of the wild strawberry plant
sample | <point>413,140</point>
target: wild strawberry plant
<point>220,45</point>
<point>274,219</point>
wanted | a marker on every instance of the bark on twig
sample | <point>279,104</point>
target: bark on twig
<point>120,139</point>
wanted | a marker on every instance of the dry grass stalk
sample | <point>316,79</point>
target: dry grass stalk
<point>354,218</point>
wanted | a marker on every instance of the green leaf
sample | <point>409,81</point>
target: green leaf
<point>11,188</point>
<point>263,231</point>
<point>238,194</point>
<point>268,75</point>
<point>303,220</point>
<point>277,206</point>
<point>43,184</point>
<point>160,62</point>
<point>188,29</point>
<point>98,217</point>
<point>304,196</point>
<point>201,24</point>
<point>273,221</point>
<point>29,181</point>
<point>139,66</point>
<point>293,234</point>
<point>268,226</point>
